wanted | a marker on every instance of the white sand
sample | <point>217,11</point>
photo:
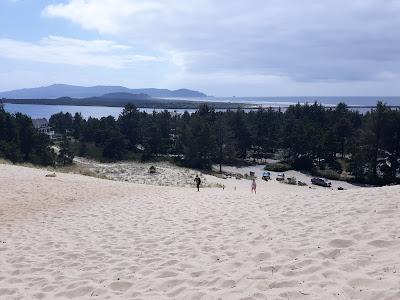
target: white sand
<point>80,237</point>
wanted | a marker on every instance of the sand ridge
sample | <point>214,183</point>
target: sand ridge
<point>76,237</point>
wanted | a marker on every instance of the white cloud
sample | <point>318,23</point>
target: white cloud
<point>107,16</point>
<point>225,47</point>
<point>67,51</point>
<point>327,40</point>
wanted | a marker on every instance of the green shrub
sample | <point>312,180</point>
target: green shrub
<point>88,150</point>
<point>328,174</point>
<point>278,167</point>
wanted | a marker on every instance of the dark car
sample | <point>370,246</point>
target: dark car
<point>321,182</point>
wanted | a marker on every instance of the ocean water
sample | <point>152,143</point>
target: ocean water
<point>286,101</point>
<point>46,111</point>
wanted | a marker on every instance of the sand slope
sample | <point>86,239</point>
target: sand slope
<point>76,237</point>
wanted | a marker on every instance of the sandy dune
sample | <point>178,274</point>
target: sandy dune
<point>86,238</point>
<point>166,174</point>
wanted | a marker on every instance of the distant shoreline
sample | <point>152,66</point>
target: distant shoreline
<point>145,103</point>
<point>165,104</point>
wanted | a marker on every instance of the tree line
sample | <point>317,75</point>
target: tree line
<point>307,137</point>
<point>21,142</point>
<point>332,141</point>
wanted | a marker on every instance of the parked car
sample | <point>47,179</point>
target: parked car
<point>321,182</point>
<point>280,177</point>
<point>266,176</point>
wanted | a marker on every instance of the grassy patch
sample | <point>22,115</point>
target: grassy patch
<point>5,162</point>
<point>88,150</point>
<point>332,175</point>
<point>278,167</point>
<point>79,169</point>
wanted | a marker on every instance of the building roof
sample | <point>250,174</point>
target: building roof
<point>37,123</point>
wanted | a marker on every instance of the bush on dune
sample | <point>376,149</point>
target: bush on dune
<point>278,167</point>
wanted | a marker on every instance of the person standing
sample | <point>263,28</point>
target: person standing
<point>254,187</point>
<point>197,180</point>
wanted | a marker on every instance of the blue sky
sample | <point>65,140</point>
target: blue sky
<point>223,48</point>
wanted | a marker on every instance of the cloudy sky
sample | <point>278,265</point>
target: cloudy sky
<point>221,47</point>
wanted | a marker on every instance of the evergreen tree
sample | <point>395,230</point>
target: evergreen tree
<point>115,146</point>
<point>129,123</point>
<point>225,142</point>
<point>21,142</point>
<point>373,135</point>
<point>241,132</point>
<point>65,155</point>
<point>77,124</point>
<point>61,123</point>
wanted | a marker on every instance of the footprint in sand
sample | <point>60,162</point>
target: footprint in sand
<point>228,284</point>
<point>331,254</point>
<point>39,295</point>
<point>171,284</point>
<point>339,243</point>
<point>121,286</point>
<point>196,274</point>
<point>167,274</point>
<point>262,256</point>
<point>382,243</point>
<point>283,284</point>
<point>7,291</point>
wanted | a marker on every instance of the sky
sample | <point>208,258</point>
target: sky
<point>219,47</point>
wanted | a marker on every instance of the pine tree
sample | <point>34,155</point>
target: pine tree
<point>65,155</point>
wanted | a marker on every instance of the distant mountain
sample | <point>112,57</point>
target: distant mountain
<point>125,96</point>
<point>62,90</point>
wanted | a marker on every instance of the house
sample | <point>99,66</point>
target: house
<point>42,125</point>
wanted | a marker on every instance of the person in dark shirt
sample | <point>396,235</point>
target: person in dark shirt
<point>197,180</point>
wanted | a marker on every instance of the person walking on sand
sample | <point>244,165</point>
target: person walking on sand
<point>198,181</point>
<point>254,187</point>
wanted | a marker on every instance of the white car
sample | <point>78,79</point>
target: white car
<point>280,177</point>
<point>321,182</point>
